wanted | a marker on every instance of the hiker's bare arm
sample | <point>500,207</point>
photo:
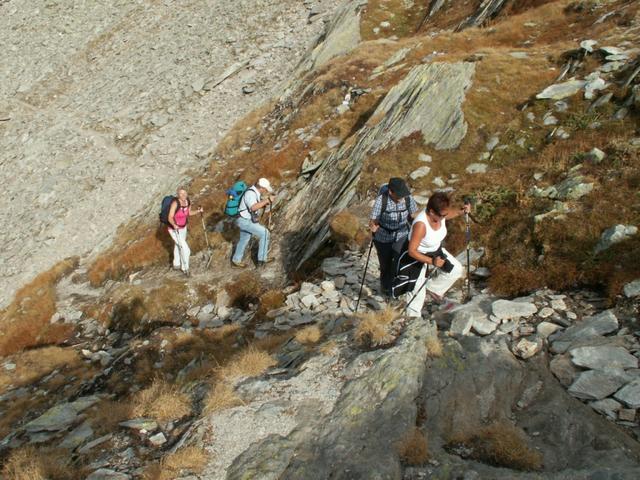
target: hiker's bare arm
<point>172,213</point>
<point>262,204</point>
<point>418,233</point>
<point>453,213</point>
<point>198,210</point>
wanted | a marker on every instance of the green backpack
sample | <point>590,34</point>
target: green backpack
<point>234,197</point>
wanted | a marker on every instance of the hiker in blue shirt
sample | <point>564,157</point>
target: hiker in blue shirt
<point>389,222</point>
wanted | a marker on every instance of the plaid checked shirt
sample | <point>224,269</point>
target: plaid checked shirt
<point>394,218</point>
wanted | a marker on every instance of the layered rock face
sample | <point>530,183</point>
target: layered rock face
<point>428,100</point>
<point>106,108</point>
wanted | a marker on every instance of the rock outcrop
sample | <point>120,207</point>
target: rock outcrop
<point>428,100</point>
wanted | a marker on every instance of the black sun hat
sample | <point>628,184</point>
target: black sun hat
<point>399,187</point>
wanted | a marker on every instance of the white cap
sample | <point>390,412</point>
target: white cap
<point>264,183</point>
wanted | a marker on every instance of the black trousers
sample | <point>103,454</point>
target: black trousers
<point>388,254</point>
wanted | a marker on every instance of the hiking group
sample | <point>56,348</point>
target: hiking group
<point>408,242</point>
<point>244,204</point>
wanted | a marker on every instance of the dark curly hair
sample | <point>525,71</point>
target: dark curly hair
<point>437,202</point>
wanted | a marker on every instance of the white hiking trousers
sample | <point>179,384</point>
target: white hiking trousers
<point>181,251</point>
<point>438,284</point>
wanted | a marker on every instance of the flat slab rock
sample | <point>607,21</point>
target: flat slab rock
<point>630,394</point>
<point>60,417</point>
<point>599,358</point>
<point>598,384</point>
<point>508,309</point>
<point>601,324</point>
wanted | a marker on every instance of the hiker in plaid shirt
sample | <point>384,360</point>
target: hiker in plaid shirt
<point>389,222</point>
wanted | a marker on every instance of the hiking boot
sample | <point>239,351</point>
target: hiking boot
<point>262,263</point>
<point>186,273</point>
<point>238,264</point>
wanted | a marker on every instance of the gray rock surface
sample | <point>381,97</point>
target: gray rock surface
<point>598,384</point>
<point>615,234</point>
<point>508,309</point>
<point>600,324</point>
<point>561,428</point>
<point>372,412</point>
<point>632,289</point>
<point>562,90</point>
<point>630,394</point>
<point>601,357</point>
<point>61,416</point>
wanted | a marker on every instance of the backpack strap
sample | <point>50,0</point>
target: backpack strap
<point>385,202</point>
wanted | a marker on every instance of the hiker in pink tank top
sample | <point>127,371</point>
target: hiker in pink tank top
<point>178,218</point>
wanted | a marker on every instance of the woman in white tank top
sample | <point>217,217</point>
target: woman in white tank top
<point>428,231</point>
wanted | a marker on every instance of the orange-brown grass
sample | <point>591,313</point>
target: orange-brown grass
<point>347,229</point>
<point>136,246</point>
<point>373,330</point>
<point>413,449</point>
<point>221,397</point>
<point>107,414</point>
<point>32,365</point>
<point>250,362</point>
<point>405,18</point>
<point>25,322</point>
<point>186,460</point>
<point>30,463</point>
<point>161,401</point>
<point>245,289</point>
<point>309,335</point>
<point>503,445</point>
<point>131,304</point>
<point>434,346</point>
<point>270,300</point>
<point>329,348</point>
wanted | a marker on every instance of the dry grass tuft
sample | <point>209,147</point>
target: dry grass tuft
<point>373,330</point>
<point>25,322</point>
<point>29,463</point>
<point>413,448</point>
<point>503,445</point>
<point>250,362</point>
<point>32,365</point>
<point>245,289</point>
<point>270,300</point>
<point>161,401</point>
<point>309,335</point>
<point>434,346</point>
<point>24,464</point>
<point>187,460</point>
<point>347,229</point>
<point>107,414</point>
<point>221,396</point>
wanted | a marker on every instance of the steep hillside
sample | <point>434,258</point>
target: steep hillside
<point>104,107</point>
<point>115,367</point>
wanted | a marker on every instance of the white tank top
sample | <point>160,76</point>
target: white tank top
<point>433,238</point>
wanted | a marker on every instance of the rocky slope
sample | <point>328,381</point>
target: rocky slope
<point>135,372</point>
<point>115,105</point>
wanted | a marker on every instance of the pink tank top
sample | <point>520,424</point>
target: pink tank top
<point>181,216</point>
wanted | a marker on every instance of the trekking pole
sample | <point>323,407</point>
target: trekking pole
<point>467,201</point>
<point>206,238</point>
<point>427,276</point>
<point>366,266</point>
